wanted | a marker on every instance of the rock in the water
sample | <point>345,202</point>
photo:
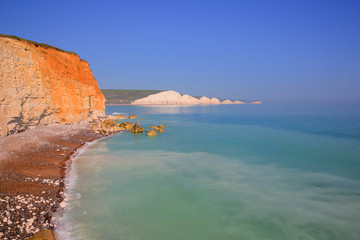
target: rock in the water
<point>132,116</point>
<point>151,133</point>
<point>44,234</point>
<point>137,128</point>
<point>116,116</point>
<point>159,128</point>
<point>126,125</point>
<point>120,115</point>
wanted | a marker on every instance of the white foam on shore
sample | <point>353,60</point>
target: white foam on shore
<point>117,113</point>
<point>63,227</point>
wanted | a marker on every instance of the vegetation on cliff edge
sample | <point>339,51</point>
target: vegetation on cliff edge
<point>36,44</point>
<point>117,96</point>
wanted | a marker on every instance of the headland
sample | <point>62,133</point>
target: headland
<point>162,97</point>
<point>50,106</point>
<point>48,99</point>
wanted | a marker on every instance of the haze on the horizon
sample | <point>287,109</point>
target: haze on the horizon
<point>295,51</point>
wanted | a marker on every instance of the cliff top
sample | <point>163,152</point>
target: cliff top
<point>36,44</point>
<point>121,96</point>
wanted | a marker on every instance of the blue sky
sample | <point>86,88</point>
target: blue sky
<point>294,51</point>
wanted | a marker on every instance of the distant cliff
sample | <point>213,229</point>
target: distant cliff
<point>175,98</point>
<point>125,96</point>
<point>41,84</point>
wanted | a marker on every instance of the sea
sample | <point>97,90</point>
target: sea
<point>220,172</point>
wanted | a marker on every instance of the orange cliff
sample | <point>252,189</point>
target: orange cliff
<point>40,84</point>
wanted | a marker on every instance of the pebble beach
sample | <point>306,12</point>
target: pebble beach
<point>32,172</point>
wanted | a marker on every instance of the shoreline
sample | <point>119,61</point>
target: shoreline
<point>62,228</point>
<point>33,171</point>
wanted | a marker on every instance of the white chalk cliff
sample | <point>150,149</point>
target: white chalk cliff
<point>175,98</point>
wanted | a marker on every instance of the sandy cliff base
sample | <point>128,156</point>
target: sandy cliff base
<point>32,171</point>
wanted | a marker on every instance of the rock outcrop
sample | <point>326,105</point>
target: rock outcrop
<point>188,100</point>
<point>151,133</point>
<point>227,102</point>
<point>175,98</point>
<point>137,128</point>
<point>214,101</point>
<point>40,84</point>
<point>45,234</point>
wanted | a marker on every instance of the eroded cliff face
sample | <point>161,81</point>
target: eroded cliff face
<point>175,98</point>
<point>40,85</point>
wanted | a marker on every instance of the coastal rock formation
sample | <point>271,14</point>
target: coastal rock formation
<point>45,234</point>
<point>175,98</point>
<point>166,98</point>
<point>214,101</point>
<point>40,84</point>
<point>188,100</point>
<point>151,133</point>
<point>204,100</point>
<point>227,102</point>
<point>159,128</point>
<point>126,125</point>
<point>137,128</point>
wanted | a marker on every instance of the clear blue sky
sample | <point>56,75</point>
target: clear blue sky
<point>270,50</point>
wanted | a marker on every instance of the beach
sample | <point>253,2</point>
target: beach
<point>32,172</point>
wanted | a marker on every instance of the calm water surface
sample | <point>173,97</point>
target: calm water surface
<point>274,172</point>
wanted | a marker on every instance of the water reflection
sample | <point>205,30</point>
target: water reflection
<point>161,109</point>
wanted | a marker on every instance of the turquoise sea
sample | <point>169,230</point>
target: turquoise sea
<point>222,172</point>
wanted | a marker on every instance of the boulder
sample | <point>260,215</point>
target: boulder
<point>137,128</point>
<point>158,127</point>
<point>44,234</point>
<point>132,116</point>
<point>126,125</point>
<point>151,133</point>
<point>108,126</point>
<point>108,123</point>
<point>117,116</point>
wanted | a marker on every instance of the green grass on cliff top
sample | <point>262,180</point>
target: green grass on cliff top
<point>122,96</point>
<point>36,44</point>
